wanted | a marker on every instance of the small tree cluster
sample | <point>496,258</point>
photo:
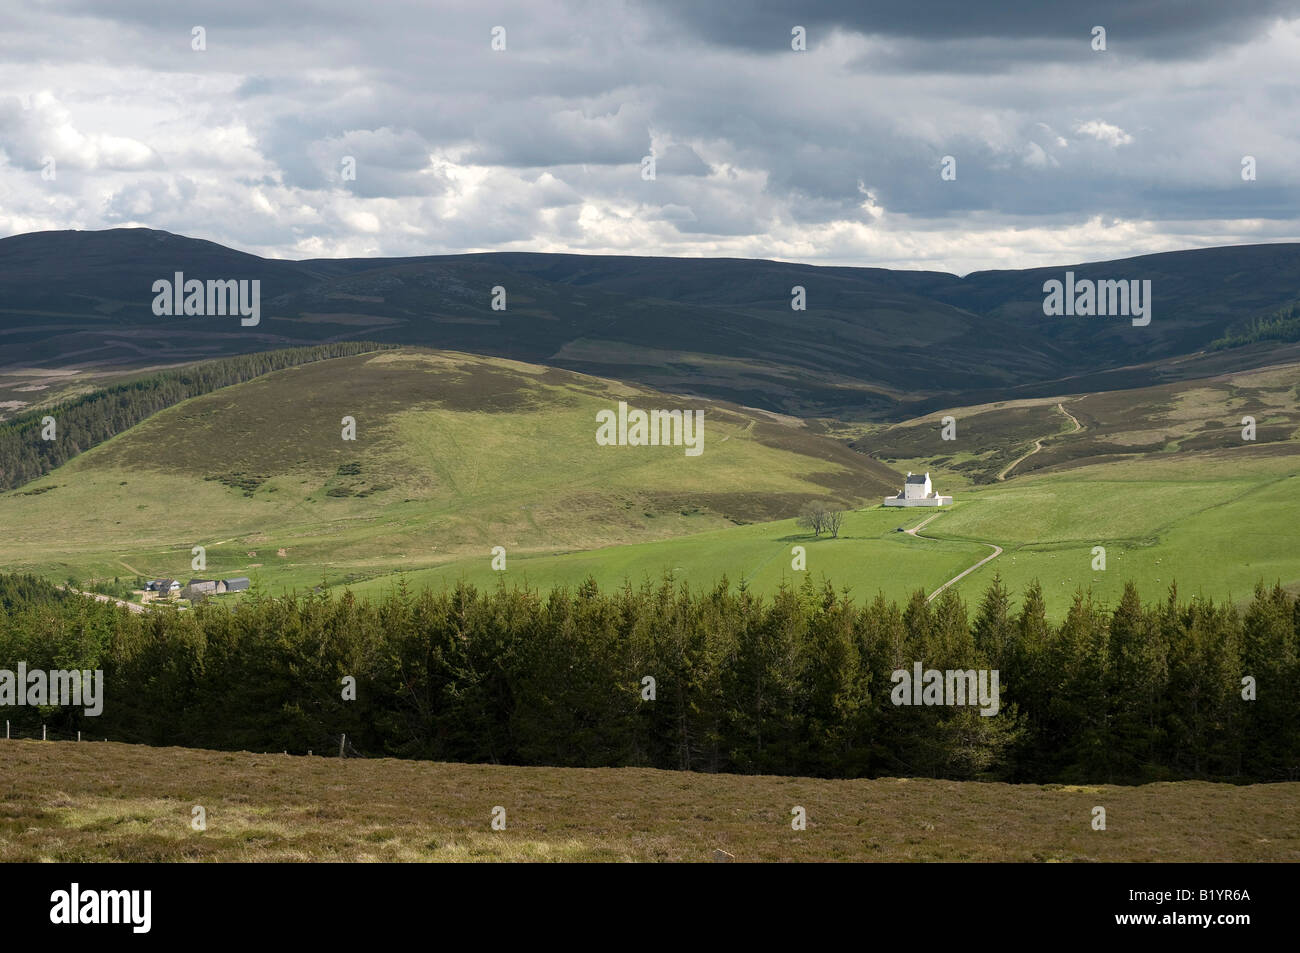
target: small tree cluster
<point>820,518</point>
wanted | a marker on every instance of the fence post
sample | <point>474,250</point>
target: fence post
<point>343,739</point>
<point>309,752</point>
<point>42,732</point>
<point>78,736</point>
<point>6,729</point>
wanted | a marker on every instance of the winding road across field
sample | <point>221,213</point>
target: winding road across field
<point>997,551</point>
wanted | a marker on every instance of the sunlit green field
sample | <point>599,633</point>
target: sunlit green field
<point>456,455</point>
<point>869,556</point>
<point>1214,527</point>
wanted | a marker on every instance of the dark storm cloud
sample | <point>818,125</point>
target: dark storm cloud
<point>1160,28</point>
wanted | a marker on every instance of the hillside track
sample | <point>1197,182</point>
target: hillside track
<point>100,597</point>
<point>1038,444</point>
<point>997,551</point>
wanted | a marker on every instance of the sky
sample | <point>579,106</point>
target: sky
<point>1059,152</point>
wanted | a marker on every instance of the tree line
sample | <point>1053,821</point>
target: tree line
<point>1282,325</point>
<point>795,684</point>
<point>90,419</point>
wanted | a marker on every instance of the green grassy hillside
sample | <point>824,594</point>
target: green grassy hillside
<point>453,455</point>
<point>1159,477</point>
<point>1215,528</point>
<point>457,454</point>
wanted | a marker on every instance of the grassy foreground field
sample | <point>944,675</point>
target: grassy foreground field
<point>64,801</point>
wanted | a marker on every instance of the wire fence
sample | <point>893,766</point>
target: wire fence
<point>46,733</point>
<point>337,746</point>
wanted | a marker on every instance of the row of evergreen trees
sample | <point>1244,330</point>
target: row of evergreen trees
<point>1282,325</point>
<point>90,419</point>
<point>796,684</point>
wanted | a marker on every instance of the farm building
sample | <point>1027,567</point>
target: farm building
<point>238,584</point>
<point>918,491</point>
<point>198,588</point>
<point>164,587</point>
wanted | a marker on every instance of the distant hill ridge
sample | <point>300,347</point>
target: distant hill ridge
<point>873,343</point>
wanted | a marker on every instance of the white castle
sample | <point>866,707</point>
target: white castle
<point>917,491</point>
